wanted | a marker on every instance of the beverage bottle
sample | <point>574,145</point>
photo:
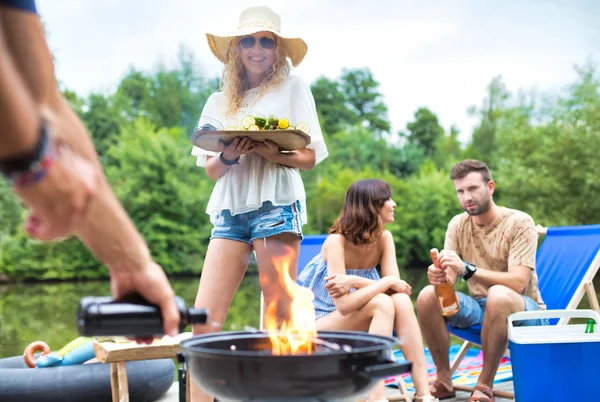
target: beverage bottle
<point>132,316</point>
<point>446,297</point>
<point>589,328</point>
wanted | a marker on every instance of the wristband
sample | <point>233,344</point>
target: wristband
<point>31,167</point>
<point>227,161</point>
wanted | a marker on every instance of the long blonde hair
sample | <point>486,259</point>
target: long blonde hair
<point>233,82</point>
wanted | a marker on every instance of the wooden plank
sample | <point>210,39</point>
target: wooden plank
<point>592,297</point>
<point>460,355</point>
<point>497,392</point>
<point>109,352</point>
<point>188,385</point>
<point>118,382</point>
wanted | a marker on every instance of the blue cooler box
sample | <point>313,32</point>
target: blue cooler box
<point>554,362</point>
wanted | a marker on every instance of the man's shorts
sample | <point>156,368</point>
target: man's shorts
<point>269,220</point>
<point>472,310</point>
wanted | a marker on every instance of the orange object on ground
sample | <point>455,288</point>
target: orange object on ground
<point>37,346</point>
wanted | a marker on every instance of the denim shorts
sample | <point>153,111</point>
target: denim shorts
<point>269,220</point>
<point>472,310</point>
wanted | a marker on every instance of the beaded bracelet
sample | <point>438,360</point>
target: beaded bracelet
<point>227,161</point>
<point>31,168</point>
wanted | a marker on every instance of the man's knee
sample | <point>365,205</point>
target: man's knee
<point>426,298</point>
<point>503,300</point>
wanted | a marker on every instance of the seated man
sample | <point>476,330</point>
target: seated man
<point>493,248</point>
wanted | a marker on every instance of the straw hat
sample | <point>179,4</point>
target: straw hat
<point>258,19</point>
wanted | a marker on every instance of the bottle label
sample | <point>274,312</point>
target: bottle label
<point>447,309</point>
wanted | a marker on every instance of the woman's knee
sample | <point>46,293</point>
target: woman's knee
<point>381,304</point>
<point>402,302</point>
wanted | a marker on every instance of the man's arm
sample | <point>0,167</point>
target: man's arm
<point>106,230</point>
<point>17,110</point>
<point>521,260</point>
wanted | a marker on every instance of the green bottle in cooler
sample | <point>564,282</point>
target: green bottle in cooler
<point>589,329</point>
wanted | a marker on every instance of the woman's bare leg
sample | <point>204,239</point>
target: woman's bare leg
<point>224,268</point>
<point>268,249</point>
<point>377,316</point>
<point>411,342</point>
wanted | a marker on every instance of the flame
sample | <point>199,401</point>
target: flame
<point>296,333</point>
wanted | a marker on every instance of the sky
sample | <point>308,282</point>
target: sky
<point>441,54</point>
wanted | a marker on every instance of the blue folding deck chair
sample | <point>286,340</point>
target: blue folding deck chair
<point>567,261</point>
<point>309,247</point>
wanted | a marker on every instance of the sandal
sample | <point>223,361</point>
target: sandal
<point>426,398</point>
<point>439,390</point>
<point>488,394</point>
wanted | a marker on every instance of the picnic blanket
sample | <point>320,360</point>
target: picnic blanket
<point>467,373</point>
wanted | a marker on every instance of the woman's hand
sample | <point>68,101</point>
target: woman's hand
<point>267,149</point>
<point>338,284</point>
<point>400,286</point>
<point>239,146</point>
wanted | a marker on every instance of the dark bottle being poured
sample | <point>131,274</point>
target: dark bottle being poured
<point>132,316</point>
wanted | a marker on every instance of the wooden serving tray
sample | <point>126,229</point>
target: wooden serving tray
<point>216,141</point>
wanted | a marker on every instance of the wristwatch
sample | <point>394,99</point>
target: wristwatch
<point>469,270</point>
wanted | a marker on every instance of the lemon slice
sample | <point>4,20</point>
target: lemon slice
<point>283,124</point>
<point>230,128</point>
<point>240,128</point>
<point>247,121</point>
<point>303,127</point>
<point>253,127</point>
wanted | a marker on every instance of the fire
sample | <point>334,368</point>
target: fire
<point>296,333</point>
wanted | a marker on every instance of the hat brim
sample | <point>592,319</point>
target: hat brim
<point>296,48</point>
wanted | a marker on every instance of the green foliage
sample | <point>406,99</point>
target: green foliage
<point>425,131</point>
<point>164,193</point>
<point>424,209</point>
<point>550,167</point>
<point>354,99</point>
<point>484,137</point>
<point>542,151</point>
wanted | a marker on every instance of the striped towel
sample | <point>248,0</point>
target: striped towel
<point>467,373</point>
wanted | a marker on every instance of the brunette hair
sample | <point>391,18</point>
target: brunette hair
<point>461,169</point>
<point>359,221</point>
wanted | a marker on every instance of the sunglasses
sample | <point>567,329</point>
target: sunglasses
<point>267,43</point>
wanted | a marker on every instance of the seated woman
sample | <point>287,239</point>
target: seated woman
<point>350,295</point>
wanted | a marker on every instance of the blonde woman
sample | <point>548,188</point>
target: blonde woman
<point>258,202</point>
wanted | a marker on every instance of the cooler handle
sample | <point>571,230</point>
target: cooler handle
<point>533,315</point>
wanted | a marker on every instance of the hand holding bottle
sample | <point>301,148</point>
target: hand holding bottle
<point>435,273</point>
<point>448,259</point>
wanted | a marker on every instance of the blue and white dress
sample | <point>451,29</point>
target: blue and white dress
<point>313,277</point>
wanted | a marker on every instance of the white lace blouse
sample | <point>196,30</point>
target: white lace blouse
<point>247,185</point>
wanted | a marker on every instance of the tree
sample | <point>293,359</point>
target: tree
<point>448,149</point>
<point>549,166</point>
<point>362,96</point>
<point>103,121</point>
<point>483,141</point>
<point>425,131</point>
<point>331,106</point>
<point>164,193</point>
